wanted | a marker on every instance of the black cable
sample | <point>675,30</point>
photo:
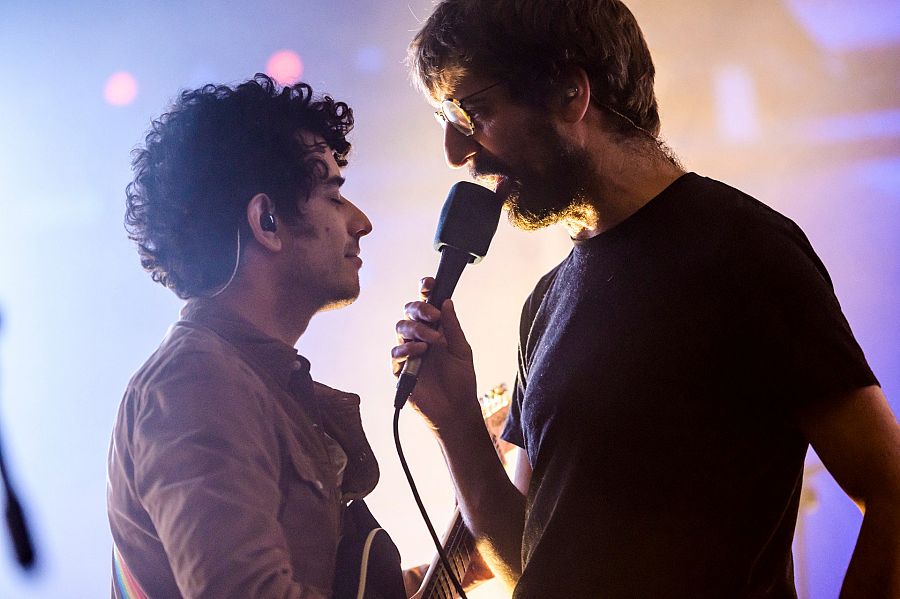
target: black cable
<point>15,519</point>
<point>415,492</point>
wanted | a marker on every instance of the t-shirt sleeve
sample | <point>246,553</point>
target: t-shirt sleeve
<point>512,431</point>
<point>797,338</point>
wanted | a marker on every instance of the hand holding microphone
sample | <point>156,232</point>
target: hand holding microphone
<point>466,226</point>
<point>465,229</point>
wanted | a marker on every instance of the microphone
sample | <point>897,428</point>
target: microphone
<point>466,226</point>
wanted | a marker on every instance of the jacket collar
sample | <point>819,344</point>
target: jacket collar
<point>271,355</point>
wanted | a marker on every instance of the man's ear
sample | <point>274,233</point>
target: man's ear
<point>574,95</point>
<point>263,222</point>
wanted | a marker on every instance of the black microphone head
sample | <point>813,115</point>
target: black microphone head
<point>468,219</point>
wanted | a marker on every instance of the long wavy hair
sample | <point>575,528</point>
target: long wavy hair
<point>204,159</point>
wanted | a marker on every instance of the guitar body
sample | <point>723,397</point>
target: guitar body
<point>368,562</point>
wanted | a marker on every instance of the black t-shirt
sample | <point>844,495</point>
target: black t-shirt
<point>660,365</point>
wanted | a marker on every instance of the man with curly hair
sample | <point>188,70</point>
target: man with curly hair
<point>673,369</point>
<point>229,467</point>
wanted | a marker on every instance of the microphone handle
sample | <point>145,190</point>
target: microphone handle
<point>450,268</point>
<point>453,262</point>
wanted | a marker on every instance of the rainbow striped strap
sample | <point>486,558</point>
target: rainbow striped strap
<point>125,585</point>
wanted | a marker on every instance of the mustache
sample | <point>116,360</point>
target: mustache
<point>485,167</point>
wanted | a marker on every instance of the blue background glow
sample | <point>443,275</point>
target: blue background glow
<point>795,102</point>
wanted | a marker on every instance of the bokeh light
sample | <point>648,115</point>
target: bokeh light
<point>792,101</point>
<point>121,89</point>
<point>285,67</point>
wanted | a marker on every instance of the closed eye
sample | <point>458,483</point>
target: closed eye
<point>337,201</point>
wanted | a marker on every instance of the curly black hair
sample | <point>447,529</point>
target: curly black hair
<point>204,160</point>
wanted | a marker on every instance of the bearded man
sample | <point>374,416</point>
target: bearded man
<point>673,369</point>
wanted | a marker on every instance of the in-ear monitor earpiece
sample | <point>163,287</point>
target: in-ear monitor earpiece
<point>267,222</point>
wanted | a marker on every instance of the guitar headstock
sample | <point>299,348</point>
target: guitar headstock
<point>494,409</point>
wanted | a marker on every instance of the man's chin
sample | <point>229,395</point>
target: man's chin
<point>342,297</point>
<point>338,303</point>
<point>527,217</point>
<point>527,221</point>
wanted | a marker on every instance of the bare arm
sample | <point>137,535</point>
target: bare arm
<point>522,476</point>
<point>479,569</point>
<point>492,507</point>
<point>858,439</point>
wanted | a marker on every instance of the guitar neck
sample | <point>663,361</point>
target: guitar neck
<point>458,543</point>
<point>459,546</point>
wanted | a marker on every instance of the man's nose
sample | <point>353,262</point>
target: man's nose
<point>360,224</point>
<point>458,148</point>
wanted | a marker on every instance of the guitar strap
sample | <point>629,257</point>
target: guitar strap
<point>125,586</point>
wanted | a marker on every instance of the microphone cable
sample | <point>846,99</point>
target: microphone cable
<point>415,492</point>
<point>465,228</point>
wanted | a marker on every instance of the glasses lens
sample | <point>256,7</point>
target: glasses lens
<point>457,117</point>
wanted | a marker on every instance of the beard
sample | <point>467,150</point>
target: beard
<point>539,198</point>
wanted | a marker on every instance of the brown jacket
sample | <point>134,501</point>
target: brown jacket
<point>228,466</point>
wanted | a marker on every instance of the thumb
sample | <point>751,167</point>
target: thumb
<point>456,339</point>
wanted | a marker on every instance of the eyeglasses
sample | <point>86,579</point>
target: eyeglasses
<point>451,111</point>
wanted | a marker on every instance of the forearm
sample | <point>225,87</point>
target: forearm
<point>858,439</point>
<point>492,508</point>
<point>874,570</point>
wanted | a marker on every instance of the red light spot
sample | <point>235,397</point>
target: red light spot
<point>121,89</point>
<point>285,67</point>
